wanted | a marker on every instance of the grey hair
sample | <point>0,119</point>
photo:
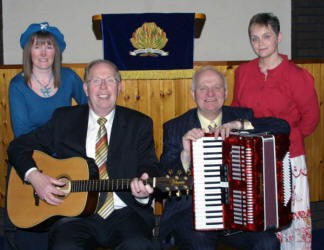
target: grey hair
<point>98,61</point>
<point>207,68</point>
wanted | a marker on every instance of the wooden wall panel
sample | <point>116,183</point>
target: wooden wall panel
<point>163,100</point>
<point>315,142</point>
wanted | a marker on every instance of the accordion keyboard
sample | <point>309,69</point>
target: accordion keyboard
<point>208,183</point>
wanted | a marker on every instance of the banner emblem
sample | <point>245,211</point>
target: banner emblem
<point>149,40</point>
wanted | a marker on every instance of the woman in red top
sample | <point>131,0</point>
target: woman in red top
<point>273,86</point>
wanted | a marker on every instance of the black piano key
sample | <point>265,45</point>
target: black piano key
<point>212,158</point>
<point>211,146</point>
<point>211,194</point>
<point>211,205</point>
<point>212,199</point>
<point>212,165</point>
<point>211,170</point>
<point>212,141</point>
<point>212,153</point>
<point>214,216</point>
<point>212,211</point>
<point>211,182</point>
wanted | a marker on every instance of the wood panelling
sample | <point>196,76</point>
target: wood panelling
<point>163,100</point>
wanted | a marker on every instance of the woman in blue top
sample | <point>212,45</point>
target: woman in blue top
<point>43,85</point>
<point>34,94</point>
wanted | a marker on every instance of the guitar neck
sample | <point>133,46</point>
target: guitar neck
<point>108,185</point>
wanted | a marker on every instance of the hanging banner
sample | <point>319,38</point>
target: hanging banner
<point>150,45</point>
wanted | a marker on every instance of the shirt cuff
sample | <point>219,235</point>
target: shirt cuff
<point>248,125</point>
<point>28,172</point>
<point>143,201</point>
<point>185,166</point>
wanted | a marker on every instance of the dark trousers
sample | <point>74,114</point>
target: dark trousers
<point>16,239</point>
<point>123,229</point>
<point>177,224</point>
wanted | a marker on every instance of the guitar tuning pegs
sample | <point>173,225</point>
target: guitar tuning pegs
<point>170,172</point>
<point>179,172</point>
<point>169,193</point>
<point>167,176</point>
<point>178,193</point>
<point>187,191</point>
<point>176,177</point>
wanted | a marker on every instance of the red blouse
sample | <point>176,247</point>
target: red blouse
<point>287,92</point>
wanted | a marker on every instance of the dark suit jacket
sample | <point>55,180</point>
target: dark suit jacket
<point>131,147</point>
<point>175,129</point>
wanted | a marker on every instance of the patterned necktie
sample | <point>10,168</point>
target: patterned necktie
<point>212,126</point>
<point>101,161</point>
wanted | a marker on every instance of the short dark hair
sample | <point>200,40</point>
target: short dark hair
<point>265,19</point>
<point>95,62</point>
<point>43,37</point>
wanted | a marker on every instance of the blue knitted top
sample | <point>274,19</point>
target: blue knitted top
<point>29,110</point>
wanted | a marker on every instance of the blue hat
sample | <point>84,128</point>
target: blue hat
<point>43,27</point>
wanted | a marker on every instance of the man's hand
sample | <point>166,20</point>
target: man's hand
<point>138,188</point>
<point>225,129</point>
<point>191,135</point>
<point>45,187</point>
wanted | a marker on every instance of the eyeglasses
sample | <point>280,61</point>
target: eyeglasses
<point>98,81</point>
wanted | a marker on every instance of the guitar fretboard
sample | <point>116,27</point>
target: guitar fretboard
<point>105,185</point>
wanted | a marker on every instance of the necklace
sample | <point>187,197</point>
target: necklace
<point>46,91</point>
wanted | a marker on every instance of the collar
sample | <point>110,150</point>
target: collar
<point>93,117</point>
<point>204,122</point>
<point>273,71</point>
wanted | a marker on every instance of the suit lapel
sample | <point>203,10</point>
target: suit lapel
<point>117,131</point>
<point>227,115</point>
<point>195,119</point>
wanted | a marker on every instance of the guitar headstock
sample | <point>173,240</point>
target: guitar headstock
<point>174,184</point>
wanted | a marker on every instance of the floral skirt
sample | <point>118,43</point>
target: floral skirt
<point>299,234</point>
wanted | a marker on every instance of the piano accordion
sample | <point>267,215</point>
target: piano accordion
<point>243,182</point>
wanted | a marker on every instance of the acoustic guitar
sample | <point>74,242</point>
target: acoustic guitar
<point>26,210</point>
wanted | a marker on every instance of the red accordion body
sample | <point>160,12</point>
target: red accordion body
<point>243,182</point>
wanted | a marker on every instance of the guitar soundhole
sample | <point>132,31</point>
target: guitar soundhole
<point>66,188</point>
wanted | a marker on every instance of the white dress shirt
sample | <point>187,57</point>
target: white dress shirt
<point>92,132</point>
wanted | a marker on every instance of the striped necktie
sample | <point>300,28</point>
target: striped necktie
<point>212,126</point>
<point>101,161</point>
